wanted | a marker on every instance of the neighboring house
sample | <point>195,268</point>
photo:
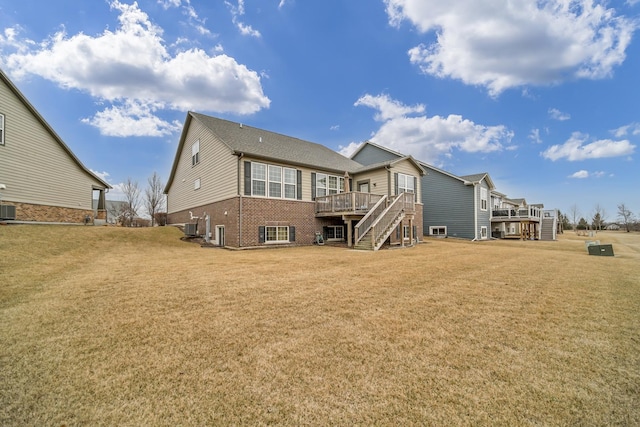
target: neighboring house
<point>456,206</point>
<point>469,206</point>
<point>260,188</point>
<point>45,181</point>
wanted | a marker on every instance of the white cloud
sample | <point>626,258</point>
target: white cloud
<point>630,129</point>
<point>131,67</point>
<point>281,4</point>
<point>429,138</point>
<point>501,44</point>
<point>132,119</point>
<point>349,149</point>
<point>238,11</point>
<point>581,174</point>
<point>534,136</point>
<point>556,114</point>
<point>335,127</point>
<point>102,175</point>
<point>576,149</point>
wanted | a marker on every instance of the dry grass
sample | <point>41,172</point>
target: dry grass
<point>109,326</point>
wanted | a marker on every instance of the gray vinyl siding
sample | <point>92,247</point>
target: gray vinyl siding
<point>370,155</point>
<point>447,202</point>
<point>217,171</point>
<point>34,166</point>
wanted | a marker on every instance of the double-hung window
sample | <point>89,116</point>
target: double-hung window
<point>258,179</point>
<point>1,129</point>
<point>290,183</point>
<point>321,184</point>
<point>405,184</point>
<point>328,184</point>
<point>275,181</point>
<point>483,198</point>
<point>195,153</point>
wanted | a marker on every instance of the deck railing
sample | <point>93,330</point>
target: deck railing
<point>344,203</point>
<point>529,212</point>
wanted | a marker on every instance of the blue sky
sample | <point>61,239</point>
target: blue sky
<point>541,94</point>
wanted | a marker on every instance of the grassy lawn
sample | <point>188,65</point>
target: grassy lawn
<point>112,326</point>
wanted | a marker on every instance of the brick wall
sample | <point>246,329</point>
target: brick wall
<point>44,213</point>
<point>257,212</point>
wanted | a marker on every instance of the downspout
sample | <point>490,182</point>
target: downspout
<point>240,204</point>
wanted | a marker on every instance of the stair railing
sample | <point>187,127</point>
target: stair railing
<point>385,219</point>
<point>365,223</point>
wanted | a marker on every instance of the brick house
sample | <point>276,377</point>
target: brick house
<point>260,188</point>
<point>42,180</point>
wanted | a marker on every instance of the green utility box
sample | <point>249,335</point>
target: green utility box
<point>601,250</point>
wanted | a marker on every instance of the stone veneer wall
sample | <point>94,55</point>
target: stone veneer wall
<point>44,213</point>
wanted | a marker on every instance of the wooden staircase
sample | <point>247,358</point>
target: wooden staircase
<point>548,228</point>
<point>374,229</point>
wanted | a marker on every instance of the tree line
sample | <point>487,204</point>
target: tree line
<point>152,198</point>
<point>625,219</point>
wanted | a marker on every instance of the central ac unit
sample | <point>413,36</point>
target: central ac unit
<point>191,229</point>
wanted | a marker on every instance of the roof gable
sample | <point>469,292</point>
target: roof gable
<point>5,79</point>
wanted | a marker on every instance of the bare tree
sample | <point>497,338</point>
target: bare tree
<point>131,192</point>
<point>599,217</point>
<point>626,216</point>
<point>574,214</point>
<point>154,199</point>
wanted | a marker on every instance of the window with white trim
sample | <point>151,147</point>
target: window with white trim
<point>483,199</point>
<point>277,234</point>
<point>279,175</point>
<point>258,179</point>
<point>275,181</point>
<point>483,232</point>
<point>328,184</point>
<point>1,129</point>
<point>438,230</point>
<point>335,232</point>
<point>195,153</point>
<point>290,183</point>
<point>405,184</point>
<point>406,232</point>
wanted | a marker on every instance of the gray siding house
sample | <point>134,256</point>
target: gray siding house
<point>42,180</point>
<point>258,188</point>
<point>456,206</point>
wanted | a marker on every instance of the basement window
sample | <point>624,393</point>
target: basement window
<point>438,230</point>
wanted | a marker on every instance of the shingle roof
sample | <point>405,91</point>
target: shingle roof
<point>261,143</point>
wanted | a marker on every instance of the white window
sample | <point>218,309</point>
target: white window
<point>196,184</point>
<point>321,184</point>
<point>328,184</point>
<point>290,183</point>
<point>483,232</point>
<point>483,198</point>
<point>1,129</point>
<point>277,234</point>
<point>258,179</point>
<point>195,153</point>
<point>275,181</point>
<point>438,230</point>
<point>405,184</point>
<point>335,232</point>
